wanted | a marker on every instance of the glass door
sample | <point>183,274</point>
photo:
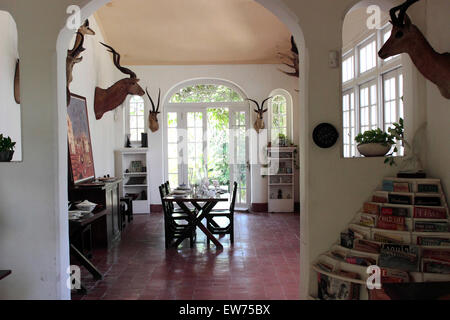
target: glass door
<point>239,164</point>
<point>209,142</point>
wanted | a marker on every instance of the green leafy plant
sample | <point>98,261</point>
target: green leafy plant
<point>375,136</point>
<point>6,144</point>
<point>390,138</point>
<point>397,133</point>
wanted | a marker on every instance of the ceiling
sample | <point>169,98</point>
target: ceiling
<point>193,32</point>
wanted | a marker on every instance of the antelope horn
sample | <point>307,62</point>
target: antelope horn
<point>159,100</point>
<point>399,21</point>
<point>294,48</point>
<point>255,102</point>
<point>117,62</point>
<point>151,100</point>
<point>262,106</point>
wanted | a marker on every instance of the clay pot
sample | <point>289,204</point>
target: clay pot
<point>374,149</point>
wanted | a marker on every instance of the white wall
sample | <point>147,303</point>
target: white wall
<point>437,107</point>
<point>9,109</point>
<point>257,81</point>
<point>97,69</point>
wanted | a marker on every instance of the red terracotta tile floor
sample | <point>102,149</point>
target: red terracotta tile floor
<point>263,263</point>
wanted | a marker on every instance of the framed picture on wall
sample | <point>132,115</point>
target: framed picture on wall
<point>81,159</point>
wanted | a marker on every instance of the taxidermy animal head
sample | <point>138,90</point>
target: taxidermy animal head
<point>114,96</point>
<point>153,123</point>
<point>407,38</point>
<point>259,123</point>
<point>293,60</point>
<point>73,55</point>
<point>17,82</point>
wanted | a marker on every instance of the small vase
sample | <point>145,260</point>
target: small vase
<point>6,156</point>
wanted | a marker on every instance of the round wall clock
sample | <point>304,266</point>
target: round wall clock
<point>325,135</point>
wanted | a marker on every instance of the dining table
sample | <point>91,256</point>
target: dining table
<point>203,205</point>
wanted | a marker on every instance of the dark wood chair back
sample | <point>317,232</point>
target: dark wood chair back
<point>233,197</point>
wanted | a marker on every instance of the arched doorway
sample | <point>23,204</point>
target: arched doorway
<point>276,8</point>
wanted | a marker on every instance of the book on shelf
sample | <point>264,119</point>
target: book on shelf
<point>430,226</point>
<point>401,187</point>
<point>430,213</point>
<point>401,257</point>
<point>366,246</point>
<point>325,266</point>
<point>436,261</point>
<point>379,199</point>
<point>348,237</point>
<point>400,199</point>
<point>331,288</point>
<point>371,208</point>
<point>435,266</point>
<point>388,185</point>
<point>391,211</point>
<point>433,241</point>
<point>387,238</point>
<point>360,261</point>
<point>368,220</point>
<point>353,259</point>
<point>427,188</point>
<point>388,276</point>
<point>427,201</point>
<point>392,223</point>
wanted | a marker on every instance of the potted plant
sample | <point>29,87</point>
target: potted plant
<point>6,149</point>
<point>282,140</point>
<point>374,143</point>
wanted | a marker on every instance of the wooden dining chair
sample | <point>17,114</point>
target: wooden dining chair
<point>212,223</point>
<point>175,223</point>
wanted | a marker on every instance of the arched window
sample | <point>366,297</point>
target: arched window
<point>280,115</point>
<point>203,93</point>
<point>136,116</point>
<point>372,88</point>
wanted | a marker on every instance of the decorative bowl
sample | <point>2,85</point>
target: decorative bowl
<point>374,149</point>
<point>86,206</point>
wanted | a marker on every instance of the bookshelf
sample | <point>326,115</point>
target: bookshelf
<point>136,181</point>
<point>281,179</point>
<point>417,190</point>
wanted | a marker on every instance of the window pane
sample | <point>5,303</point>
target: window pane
<point>348,69</point>
<point>206,93</point>
<point>367,57</point>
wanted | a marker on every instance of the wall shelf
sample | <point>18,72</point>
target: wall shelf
<point>281,179</point>
<point>123,159</point>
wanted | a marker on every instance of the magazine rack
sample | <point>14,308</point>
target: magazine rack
<point>407,237</point>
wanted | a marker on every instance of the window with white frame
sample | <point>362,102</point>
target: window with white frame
<point>136,118</point>
<point>372,89</point>
<point>367,56</point>
<point>280,115</point>
<point>349,124</point>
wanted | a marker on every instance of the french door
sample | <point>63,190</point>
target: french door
<point>209,141</point>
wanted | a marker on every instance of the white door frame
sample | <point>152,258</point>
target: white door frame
<point>182,109</point>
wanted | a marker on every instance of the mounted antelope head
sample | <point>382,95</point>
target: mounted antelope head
<point>259,123</point>
<point>407,38</point>
<point>153,123</point>
<point>293,60</point>
<point>114,96</point>
<point>73,55</point>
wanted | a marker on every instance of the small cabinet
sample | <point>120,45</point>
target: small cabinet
<point>105,232</point>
